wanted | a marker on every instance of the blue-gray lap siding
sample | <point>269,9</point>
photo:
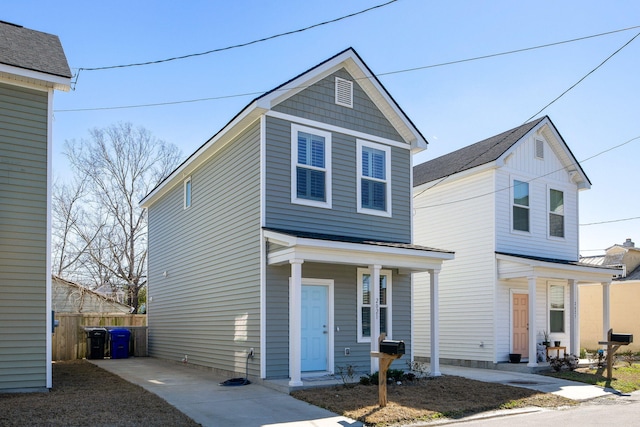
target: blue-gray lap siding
<point>23,233</point>
<point>317,103</point>
<point>208,305</point>
<point>345,316</point>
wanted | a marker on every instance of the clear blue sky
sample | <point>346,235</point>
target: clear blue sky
<point>453,105</point>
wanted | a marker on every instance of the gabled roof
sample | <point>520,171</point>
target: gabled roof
<point>488,151</point>
<point>348,59</point>
<point>32,51</point>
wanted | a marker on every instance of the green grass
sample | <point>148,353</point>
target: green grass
<point>624,379</point>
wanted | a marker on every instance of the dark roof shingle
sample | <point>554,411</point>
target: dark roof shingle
<point>32,50</point>
<point>477,154</point>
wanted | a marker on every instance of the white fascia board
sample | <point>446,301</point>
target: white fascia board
<point>549,270</point>
<point>561,150</point>
<point>35,79</point>
<point>202,154</point>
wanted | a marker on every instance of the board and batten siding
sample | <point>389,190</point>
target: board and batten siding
<point>23,233</point>
<point>342,219</point>
<point>204,262</point>
<point>345,304</point>
<point>542,175</point>
<point>448,216</point>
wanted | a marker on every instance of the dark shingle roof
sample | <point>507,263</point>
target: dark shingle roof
<point>553,260</point>
<point>477,154</point>
<point>634,275</point>
<point>32,50</point>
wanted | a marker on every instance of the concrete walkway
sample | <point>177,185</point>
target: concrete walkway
<point>197,393</point>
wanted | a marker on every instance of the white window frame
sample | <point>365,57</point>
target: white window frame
<point>295,128</point>
<point>564,306</point>
<point>360,144</point>
<point>388,305</point>
<point>187,193</point>
<point>512,204</point>
<point>564,215</point>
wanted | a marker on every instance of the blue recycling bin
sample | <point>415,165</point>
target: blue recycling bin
<point>120,343</point>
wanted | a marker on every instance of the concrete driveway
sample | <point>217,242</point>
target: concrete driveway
<point>197,393</point>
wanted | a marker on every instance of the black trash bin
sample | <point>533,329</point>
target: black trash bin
<point>96,339</point>
<point>120,343</point>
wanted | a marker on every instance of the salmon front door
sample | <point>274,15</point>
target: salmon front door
<point>520,316</point>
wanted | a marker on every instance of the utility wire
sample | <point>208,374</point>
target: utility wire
<point>191,55</point>
<point>406,70</point>
<point>610,221</point>
<point>531,180</point>
<point>440,180</point>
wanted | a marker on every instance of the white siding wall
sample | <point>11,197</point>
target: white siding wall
<point>467,283</point>
<point>541,175</point>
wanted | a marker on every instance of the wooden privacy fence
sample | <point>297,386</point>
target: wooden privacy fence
<point>69,340</point>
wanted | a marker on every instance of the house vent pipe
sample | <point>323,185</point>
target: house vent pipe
<point>629,244</point>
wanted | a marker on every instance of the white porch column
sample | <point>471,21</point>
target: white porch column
<point>606,309</point>
<point>375,313</point>
<point>533,353</point>
<point>435,326</point>
<point>574,319</point>
<point>295,321</point>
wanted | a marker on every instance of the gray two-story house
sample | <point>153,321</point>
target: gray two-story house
<point>32,66</point>
<point>288,235</point>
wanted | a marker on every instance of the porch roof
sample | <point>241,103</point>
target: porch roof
<point>327,248</point>
<point>513,266</point>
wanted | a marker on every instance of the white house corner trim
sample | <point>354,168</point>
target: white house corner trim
<point>263,252</point>
<point>295,320</point>
<point>48,317</point>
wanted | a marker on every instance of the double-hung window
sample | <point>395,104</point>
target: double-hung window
<point>310,166</point>
<point>520,205</point>
<point>374,178</point>
<point>556,308</point>
<point>556,213</point>
<point>366,304</point>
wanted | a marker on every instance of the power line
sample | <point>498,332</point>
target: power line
<point>440,180</point>
<point>191,55</point>
<point>158,104</point>
<point>610,221</point>
<point>511,186</point>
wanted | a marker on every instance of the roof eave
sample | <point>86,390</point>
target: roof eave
<point>37,79</point>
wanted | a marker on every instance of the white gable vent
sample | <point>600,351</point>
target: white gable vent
<point>344,92</point>
<point>539,149</point>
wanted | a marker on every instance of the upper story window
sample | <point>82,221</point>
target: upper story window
<point>366,304</point>
<point>520,205</point>
<point>187,193</point>
<point>374,178</point>
<point>310,166</point>
<point>556,213</point>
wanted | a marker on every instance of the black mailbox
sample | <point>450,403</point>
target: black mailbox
<point>392,347</point>
<point>622,338</point>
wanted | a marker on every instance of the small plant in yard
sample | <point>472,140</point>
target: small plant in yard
<point>421,368</point>
<point>569,361</point>
<point>628,357</point>
<point>347,374</point>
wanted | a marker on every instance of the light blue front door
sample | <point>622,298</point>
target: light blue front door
<point>315,331</point>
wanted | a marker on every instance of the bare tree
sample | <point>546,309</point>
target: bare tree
<point>118,166</point>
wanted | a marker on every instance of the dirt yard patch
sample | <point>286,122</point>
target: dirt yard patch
<point>85,395</point>
<point>426,399</point>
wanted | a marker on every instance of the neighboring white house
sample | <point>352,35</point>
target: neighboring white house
<point>70,297</point>
<point>508,207</point>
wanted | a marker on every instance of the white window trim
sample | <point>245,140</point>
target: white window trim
<point>187,187</point>
<point>564,310</point>
<point>360,144</point>
<point>564,201</point>
<point>389,305</point>
<point>512,204</point>
<point>295,128</point>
